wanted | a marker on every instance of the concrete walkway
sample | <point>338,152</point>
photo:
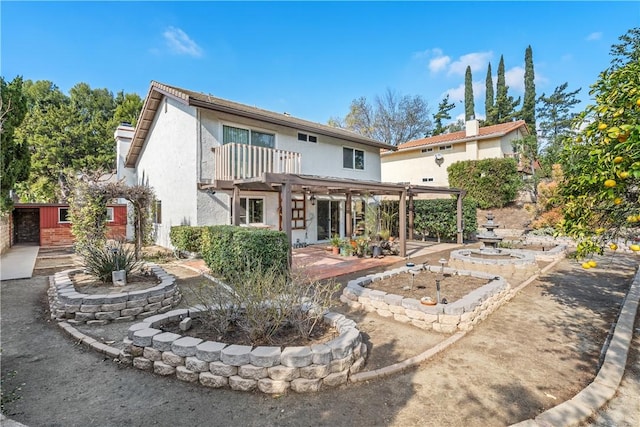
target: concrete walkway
<point>18,262</point>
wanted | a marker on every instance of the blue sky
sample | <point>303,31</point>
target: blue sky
<point>311,59</point>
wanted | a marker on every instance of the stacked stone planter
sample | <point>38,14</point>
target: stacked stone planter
<point>511,262</point>
<point>459,315</point>
<point>75,307</point>
<point>246,368</point>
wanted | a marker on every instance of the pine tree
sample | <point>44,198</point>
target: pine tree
<point>489,107</point>
<point>443,114</point>
<point>528,112</point>
<point>556,119</point>
<point>505,104</point>
<point>469,107</point>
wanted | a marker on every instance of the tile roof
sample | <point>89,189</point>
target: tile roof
<point>459,136</point>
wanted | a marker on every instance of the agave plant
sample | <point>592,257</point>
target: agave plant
<point>101,261</point>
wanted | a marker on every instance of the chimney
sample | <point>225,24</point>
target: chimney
<point>472,127</point>
<point>123,136</point>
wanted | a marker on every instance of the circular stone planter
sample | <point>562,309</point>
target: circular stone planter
<point>502,261</point>
<point>242,367</point>
<point>75,307</point>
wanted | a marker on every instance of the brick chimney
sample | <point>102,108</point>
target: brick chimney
<point>472,127</point>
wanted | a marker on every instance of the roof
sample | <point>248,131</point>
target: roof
<point>158,90</point>
<point>486,132</point>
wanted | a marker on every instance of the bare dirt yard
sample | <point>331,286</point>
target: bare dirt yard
<point>534,352</point>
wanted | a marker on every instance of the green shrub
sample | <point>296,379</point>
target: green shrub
<point>228,249</point>
<point>492,183</point>
<point>101,260</point>
<point>437,217</point>
<point>187,238</point>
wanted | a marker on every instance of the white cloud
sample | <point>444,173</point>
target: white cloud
<point>514,78</point>
<point>457,94</point>
<point>180,43</point>
<point>475,60</point>
<point>438,64</point>
<point>594,36</point>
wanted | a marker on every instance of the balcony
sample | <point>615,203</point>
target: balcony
<point>241,161</point>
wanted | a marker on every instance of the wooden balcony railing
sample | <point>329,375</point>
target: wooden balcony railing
<point>240,161</point>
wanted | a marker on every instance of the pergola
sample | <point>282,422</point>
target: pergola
<point>289,184</point>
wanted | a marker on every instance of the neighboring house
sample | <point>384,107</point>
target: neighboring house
<point>47,224</point>
<point>212,161</point>
<point>425,161</point>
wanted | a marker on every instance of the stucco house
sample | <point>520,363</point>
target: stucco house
<point>425,161</point>
<point>213,161</point>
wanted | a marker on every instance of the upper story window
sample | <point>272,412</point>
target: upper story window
<point>306,137</point>
<point>63,215</point>
<point>236,135</point>
<point>429,179</point>
<point>446,147</point>
<point>352,158</point>
<point>427,150</point>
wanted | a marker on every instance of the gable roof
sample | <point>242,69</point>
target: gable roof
<point>158,90</point>
<point>486,132</point>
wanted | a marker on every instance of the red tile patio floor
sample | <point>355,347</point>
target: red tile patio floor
<point>319,263</point>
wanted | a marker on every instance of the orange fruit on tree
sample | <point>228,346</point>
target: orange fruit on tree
<point>617,201</point>
<point>638,102</point>
<point>602,126</point>
<point>610,183</point>
<point>618,159</point>
<point>613,246</point>
<point>623,137</point>
<point>623,174</point>
<point>635,248</point>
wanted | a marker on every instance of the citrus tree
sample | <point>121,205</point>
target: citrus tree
<point>601,186</point>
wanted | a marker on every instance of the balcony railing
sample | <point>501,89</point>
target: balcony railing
<point>241,161</point>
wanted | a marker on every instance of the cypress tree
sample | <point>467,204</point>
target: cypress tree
<point>469,107</point>
<point>505,104</point>
<point>528,112</point>
<point>489,108</point>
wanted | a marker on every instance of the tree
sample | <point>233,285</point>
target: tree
<point>394,119</point>
<point>128,107</point>
<point>601,165</point>
<point>505,105</point>
<point>555,118</point>
<point>14,152</point>
<point>489,107</point>
<point>443,114</point>
<point>469,107</point>
<point>528,111</point>
<point>69,134</point>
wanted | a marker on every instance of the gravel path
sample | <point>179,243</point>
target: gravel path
<point>536,351</point>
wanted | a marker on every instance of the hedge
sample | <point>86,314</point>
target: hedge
<point>228,249</point>
<point>492,183</point>
<point>186,238</point>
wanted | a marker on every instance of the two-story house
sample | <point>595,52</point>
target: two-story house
<point>425,161</point>
<point>213,161</point>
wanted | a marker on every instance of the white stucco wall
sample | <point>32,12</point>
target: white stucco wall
<point>414,165</point>
<point>168,163</point>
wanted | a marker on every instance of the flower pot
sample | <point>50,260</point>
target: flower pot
<point>335,250</point>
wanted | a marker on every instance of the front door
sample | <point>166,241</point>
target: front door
<point>328,219</point>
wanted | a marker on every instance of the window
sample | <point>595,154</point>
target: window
<point>63,215</point>
<point>427,179</point>
<point>352,158</point>
<point>446,147</point>
<point>251,210</point>
<point>110,217</point>
<point>156,212</point>
<point>305,137</point>
<point>427,150</point>
<point>232,134</point>
<point>297,214</point>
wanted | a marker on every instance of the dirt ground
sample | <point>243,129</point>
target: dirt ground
<point>536,351</point>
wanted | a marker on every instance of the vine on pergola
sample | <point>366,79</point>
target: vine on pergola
<point>88,214</point>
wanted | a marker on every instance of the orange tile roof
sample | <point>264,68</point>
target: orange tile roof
<point>485,132</point>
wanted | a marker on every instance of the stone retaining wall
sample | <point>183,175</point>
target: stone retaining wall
<point>462,314</point>
<point>242,367</point>
<point>75,307</point>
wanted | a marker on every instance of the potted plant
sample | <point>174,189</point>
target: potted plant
<point>346,249</point>
<point>335,244</point>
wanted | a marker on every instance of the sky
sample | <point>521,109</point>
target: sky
<point>311,59</point>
